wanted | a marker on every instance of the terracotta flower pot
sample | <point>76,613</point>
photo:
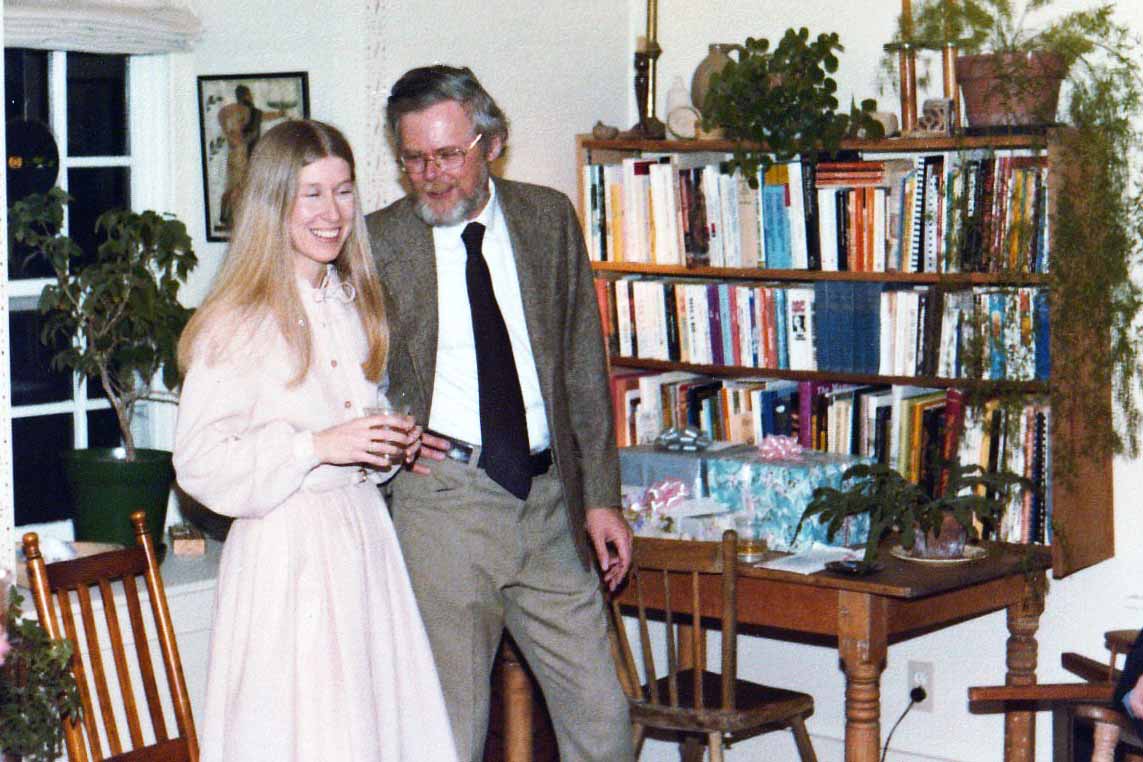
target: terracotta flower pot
<point>1009,89</point>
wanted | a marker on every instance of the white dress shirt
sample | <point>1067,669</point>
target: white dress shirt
<point>456,394</point>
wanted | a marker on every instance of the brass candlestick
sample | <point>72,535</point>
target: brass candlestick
<point>907,68</point>
<point>952,92</point>
<point>649,125</point>
<point>646,61</point>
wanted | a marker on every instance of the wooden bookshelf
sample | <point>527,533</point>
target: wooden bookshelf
<point>739,371</point>
<point>1038,139</point>
<point>758,273</point>
<point>1082,518</point>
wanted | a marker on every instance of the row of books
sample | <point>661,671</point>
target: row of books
<point>993,333</point>
<point>914,429</point>
<point>947,212</point>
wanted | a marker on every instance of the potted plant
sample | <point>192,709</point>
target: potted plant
<point>783,101</point>
<point>37,689</point>
<point>929,526</point>
<point>1008,68</point>
<point>119,312</point>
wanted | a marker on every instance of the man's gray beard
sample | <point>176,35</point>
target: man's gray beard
<point>458,213</point>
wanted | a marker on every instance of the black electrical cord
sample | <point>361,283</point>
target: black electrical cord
<point>916,696</point>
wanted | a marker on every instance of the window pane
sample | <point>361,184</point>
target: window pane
<point>33,380</point>
<point>24,266</point>
<point>37,470</point>
<point>95,191</point>
<point>96,105</point>
<point>103,429</point>
<point>26,84</point>
<point>26,97</point>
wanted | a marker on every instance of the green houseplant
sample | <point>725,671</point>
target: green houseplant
<point>783,101</point>
<point>117,310</point>
<point>927,524</point>
<point>1011,59</point>
<point>37,689</point>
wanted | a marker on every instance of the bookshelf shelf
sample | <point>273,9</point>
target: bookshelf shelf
<point>757,273</point>
<point>933,382</point>
<point>887,145</point>
<point>1082,505</point>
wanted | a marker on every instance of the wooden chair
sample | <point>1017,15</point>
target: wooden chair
<point>54,587</point>
<point>678,578</point>
<point>1090,701</point>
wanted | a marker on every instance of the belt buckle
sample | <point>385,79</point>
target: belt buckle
<point>459,452</point>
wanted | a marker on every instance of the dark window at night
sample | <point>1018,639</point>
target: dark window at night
<point>94,191</point>
<point>94,116</point>
<point>26,84</point>
<point>96,105</point>
<point>33,379</point>
<point>37,469</point>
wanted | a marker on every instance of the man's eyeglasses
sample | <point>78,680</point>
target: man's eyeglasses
<point>446,159</point>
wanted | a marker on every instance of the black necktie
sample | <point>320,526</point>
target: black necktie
<point>503,428</point>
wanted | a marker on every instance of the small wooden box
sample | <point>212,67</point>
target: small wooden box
<point>187,540</point>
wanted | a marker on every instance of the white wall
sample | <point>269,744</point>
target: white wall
<point>556,68</point>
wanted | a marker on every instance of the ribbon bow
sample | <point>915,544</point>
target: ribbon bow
<point>775,447</point>
<point>337,292</point>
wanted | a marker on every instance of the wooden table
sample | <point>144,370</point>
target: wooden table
<point>906,599</point>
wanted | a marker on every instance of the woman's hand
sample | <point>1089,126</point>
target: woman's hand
<point>375,440</point>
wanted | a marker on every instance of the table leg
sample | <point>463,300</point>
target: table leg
<point>1023,621</point>
<point>862,644</point>
<point>518,706</point>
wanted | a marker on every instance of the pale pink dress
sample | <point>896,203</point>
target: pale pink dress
<point>318,652</point>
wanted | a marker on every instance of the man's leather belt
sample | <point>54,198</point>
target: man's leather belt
<point>462,452</point>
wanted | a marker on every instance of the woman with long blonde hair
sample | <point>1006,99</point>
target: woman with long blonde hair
<point>318,651</point>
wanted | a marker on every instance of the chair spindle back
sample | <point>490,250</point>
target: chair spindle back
<point>53,587</point>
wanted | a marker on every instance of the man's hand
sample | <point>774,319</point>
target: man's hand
<point>433,448</point>
<point>1135,699</point>
<point>609,531</point>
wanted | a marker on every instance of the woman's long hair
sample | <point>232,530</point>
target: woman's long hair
<point>257,280</point>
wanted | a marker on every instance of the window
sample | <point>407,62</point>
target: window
<point>84,100</point>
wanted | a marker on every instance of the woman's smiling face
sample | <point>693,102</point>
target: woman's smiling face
<point>322,215</point>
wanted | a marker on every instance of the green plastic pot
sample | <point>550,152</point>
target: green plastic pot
<point>106,489</point>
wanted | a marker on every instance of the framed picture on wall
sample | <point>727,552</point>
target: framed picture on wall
<point>234,110</point>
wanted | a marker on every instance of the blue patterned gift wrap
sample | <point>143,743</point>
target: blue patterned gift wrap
<point>780,491</point>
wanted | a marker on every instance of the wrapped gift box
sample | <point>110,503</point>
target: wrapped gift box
<point>644,465</point>
<point>739,477</point>
<point>779,491</point>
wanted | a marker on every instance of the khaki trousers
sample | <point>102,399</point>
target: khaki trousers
<point>481,560</point>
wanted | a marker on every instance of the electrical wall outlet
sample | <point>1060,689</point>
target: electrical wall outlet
<point>920,675</point>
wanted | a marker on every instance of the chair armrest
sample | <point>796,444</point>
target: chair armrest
<point>1089,669</point>
<point>1120,640</point>
<point>1048,693</point>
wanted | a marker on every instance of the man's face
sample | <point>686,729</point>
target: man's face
<point>446,197</point>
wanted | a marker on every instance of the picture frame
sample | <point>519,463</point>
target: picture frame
<point>234,111</point>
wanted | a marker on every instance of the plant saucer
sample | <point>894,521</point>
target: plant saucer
<point>971,553</point>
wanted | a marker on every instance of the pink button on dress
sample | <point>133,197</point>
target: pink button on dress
<point>318,651</point>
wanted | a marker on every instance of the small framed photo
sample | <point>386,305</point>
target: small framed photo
<point>233,112</point>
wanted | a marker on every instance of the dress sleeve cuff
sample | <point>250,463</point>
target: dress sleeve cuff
<point>303,448</point>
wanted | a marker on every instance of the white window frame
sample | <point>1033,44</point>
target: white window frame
<point>149,93</point>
